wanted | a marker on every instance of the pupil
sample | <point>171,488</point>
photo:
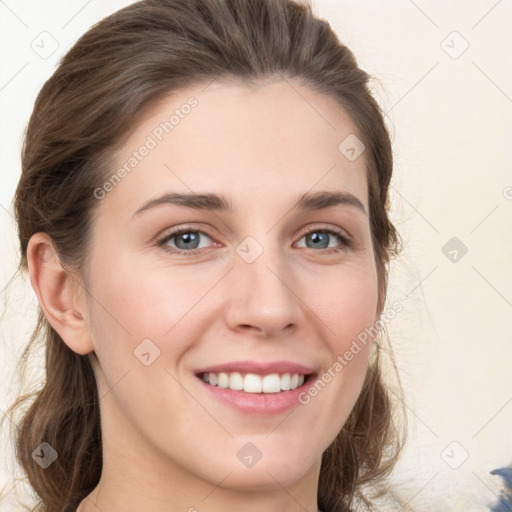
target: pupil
<point>187,237</point>
<point>317,237</point>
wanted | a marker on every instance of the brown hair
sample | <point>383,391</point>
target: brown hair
<point>122,65</point>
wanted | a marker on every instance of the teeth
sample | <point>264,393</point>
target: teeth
<point>252,383</point>
<point>236,381</point>
<point>223,380</point>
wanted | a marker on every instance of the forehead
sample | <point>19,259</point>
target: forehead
<point>255,143</point>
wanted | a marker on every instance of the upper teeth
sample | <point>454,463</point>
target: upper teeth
<point>253,383</point>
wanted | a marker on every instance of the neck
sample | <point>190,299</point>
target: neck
<point>136,476</point>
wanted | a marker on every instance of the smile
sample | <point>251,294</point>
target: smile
<point>253,383</point>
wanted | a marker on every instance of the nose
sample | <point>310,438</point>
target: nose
<point>261,299</point>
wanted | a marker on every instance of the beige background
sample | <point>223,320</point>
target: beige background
<point>449,112</point>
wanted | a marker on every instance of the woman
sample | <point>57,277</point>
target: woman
<point>202,213</point>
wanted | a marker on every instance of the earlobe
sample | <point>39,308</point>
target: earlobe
<point>57,292</point>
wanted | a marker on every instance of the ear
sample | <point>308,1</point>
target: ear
<point>58,293</point>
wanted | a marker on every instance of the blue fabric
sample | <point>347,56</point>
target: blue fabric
<point>504,503</point>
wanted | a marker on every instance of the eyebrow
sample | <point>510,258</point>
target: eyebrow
<point>216,202</point>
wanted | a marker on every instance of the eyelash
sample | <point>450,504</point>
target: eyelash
<point>346,242</point>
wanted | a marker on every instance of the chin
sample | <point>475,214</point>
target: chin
<point>276,468</point>
<point>270,477</point>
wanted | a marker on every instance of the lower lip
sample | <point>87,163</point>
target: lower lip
<point>261,404</point>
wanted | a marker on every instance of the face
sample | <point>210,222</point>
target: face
<point>258,288</point>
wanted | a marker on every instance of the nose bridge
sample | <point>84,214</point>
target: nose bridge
<point>261,292</point>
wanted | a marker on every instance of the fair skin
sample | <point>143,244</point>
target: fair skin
<point>169,444</point>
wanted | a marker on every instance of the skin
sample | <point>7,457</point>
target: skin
<point>167,444</point>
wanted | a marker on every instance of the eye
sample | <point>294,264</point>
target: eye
<point>184,240</point>
<point>187,241</point>
<point>322,238</point>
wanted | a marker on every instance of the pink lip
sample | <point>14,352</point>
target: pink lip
<point>259,368</point>
<point>257,404</point>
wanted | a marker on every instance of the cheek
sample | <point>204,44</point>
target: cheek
<point>140,317</point>
<point>353,320</point>
<point>134,303</point>
<point>145,303</point>
<point>346,306</point>
<point>346,302</point>
<point>139,311</point>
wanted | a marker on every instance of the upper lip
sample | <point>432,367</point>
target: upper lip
<point>258,367</point>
